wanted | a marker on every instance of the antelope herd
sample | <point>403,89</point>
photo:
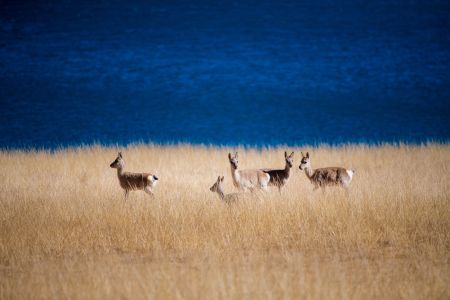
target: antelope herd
<point>244,180</point>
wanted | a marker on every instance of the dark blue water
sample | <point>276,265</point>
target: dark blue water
<point>242,72</point>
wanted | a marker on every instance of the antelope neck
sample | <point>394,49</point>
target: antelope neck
<point>120,171</point>
<point>220,192</point>
<point>287,170</point>
<point>308,172</point>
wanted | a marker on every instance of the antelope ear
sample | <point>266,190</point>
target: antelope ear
<point>229,155</point>
<point>301,152</point>
<point>120,154</point>
<point>307,154</point>
<point>236,155</point>
<point>218,178</point>
<point>292,154</point>
<point>221,179</point>
<point>285,154</point>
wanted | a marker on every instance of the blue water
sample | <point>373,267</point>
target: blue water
<point>241,72</point>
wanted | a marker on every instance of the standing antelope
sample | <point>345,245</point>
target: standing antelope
<point>279,178</point>
<point>217,187</point>
<point>247,179</point>
<point>133,181</point>
<point>326,176</point>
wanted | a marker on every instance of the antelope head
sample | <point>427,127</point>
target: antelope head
<point>305,163</point>
<point>118,162</point>
<point>289,159</point>
<point>217,185</point>
<point>233,160</point>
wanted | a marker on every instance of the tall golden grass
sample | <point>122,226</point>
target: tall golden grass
<point>67,232</point>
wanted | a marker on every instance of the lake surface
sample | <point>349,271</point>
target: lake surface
<point>227,73</point>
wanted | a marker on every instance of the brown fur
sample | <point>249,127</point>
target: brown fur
<point>326,176</point>
<point>218,188</point>
<point>133,181</point>
<point>280,177</point>
<point>329,176</point>
<point>247,179</point>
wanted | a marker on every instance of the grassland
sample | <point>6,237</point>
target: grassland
<point>66,231</point>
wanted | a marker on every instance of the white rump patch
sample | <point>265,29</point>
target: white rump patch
<point>350,173</point>
<point>152,179</point>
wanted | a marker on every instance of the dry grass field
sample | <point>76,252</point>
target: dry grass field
<point>66,231</point>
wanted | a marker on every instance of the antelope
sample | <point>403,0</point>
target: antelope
<point>279,178</point>
<point>247,179</point>
<point>326,176</point>
<point>133,181</point>
<point>217,187</point>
